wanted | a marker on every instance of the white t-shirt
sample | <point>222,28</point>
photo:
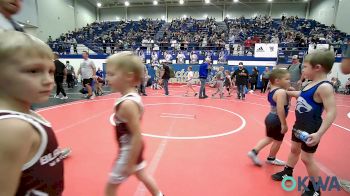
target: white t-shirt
<point>181,58</point>
<point>189,76</point>
<point>87,69</point>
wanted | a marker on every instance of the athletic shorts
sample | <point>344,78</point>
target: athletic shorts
<point>304,146</point>
<point>273,127</point>
<point>118,175</point>
<point>87,81</point>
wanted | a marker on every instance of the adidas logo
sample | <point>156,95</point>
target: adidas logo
<point>260,49</point>
<point>285,175</point>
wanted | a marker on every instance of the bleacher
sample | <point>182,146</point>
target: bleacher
<point>188,34</point>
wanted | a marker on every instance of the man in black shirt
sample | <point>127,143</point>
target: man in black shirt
<point>241,78</point>
<point>166,77</point>
<point>60,75</point>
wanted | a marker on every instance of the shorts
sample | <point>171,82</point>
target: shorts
<point>117,175</point>
<point>273,127</point>
<point>87,81</point>
<point>304,146</point>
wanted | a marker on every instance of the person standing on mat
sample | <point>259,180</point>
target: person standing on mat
<point>296,73</point>
<point>87,70</point>
<point>166,77</point>
<point>311,101</point>
<point>124,72</point>
<point>241,78</point>
<point>70,75</point>
<point>60,76</point>
<point>203,75</point>
<point>30,159</point>
<point>275,121</point>
<point>265,79</point>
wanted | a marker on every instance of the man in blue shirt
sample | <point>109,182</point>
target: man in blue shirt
<point>203,75</point>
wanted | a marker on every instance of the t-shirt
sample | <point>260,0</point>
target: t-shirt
<point>219,75</point>
<point>181,58</point>
<point>70,69</point>
<point>59,68</point>
<point>295,72</point>
<point>87,69</point>
<point>189,75</point>
<point>241,79</point>
<point>166,74</point>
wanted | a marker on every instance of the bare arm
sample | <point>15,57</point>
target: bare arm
<point>295,94</point>
<point>15,144</point>
<point>130,111</point>
<point>325,92</point>
<point>281,99</point>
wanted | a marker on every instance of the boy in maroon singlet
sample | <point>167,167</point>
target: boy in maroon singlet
<point>30,160</point>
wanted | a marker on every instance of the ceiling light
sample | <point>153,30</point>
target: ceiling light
<point>155,2</point>
<point>181,2</point>
<point>127,3</point>
<point>207,1</point>
<point>235,1</point>
<point>269,0</point>
<point>99,4</point>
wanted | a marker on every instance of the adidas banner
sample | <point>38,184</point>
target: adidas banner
<point>266,50</point>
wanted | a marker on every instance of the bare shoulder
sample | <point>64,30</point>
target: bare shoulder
<point>325,88</point>
<point>128,109</point>
<point>15,134</point>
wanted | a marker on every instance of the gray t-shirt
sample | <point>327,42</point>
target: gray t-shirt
<point>219,75</point>
<point>295,72</point>
<point>87,68</point>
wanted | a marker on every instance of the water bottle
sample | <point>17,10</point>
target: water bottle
<point>302,135</point>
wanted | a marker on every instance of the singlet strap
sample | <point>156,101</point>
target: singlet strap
<point>39,128</point>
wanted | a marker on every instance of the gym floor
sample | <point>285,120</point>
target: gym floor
<point>193,147</point>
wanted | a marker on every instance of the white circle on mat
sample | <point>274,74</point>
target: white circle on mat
<point>243,124</point>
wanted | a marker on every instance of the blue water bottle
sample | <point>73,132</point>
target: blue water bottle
<point>302,135</point>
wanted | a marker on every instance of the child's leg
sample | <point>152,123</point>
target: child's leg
<point>310,164</point>
<point>275,148</point>
<point>262,144</point>
<point>149,182</point>
<point>253,154</point>
<point>293,158</point>
<point>294,154</point>
<point>111,189</point>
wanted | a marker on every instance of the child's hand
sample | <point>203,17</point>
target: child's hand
<point>313,139</point>
<point>284,128</point>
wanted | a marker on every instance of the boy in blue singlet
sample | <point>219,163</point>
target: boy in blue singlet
<point>124,72</point>
<point>275,121</point>
<point>311,101</point>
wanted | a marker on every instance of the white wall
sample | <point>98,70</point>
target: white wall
<point>197,12</point>
<point>134,13</point>
<point>247,10</point>
<point>278,9</point>
<point>323,11</point>
<point>343,16</point>
<point>54,18</point>
<point>85,13</point>
<point>112,14</point>
<point>28,13</point>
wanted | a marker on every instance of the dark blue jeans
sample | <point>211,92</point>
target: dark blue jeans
<point>202,89</point>
<point>240,91</point>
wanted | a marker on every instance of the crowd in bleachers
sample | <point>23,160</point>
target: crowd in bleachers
<point>238,36</point>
